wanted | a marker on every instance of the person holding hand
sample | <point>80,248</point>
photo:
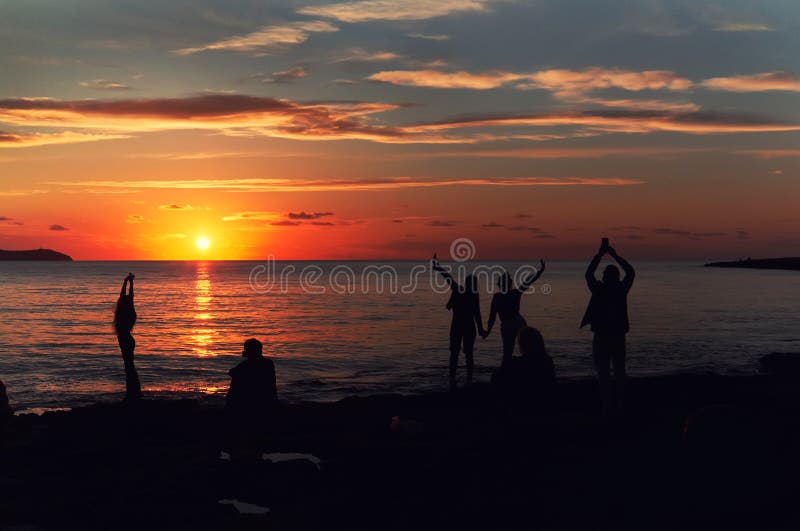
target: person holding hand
<point>505,303</point>
<point>465,304</point>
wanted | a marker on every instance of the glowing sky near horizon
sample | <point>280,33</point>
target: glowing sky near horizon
<point>372,129</point>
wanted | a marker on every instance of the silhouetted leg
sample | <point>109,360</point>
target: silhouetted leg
<point>602,361</point>
<point>455,348</point>
<point>618,360</point>
<point>509,335</point>
<point>133,388</point>
<point>469,347</point>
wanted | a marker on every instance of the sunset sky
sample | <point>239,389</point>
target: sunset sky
<point>386,129</point>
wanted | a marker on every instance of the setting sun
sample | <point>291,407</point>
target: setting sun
<point>202,243</point>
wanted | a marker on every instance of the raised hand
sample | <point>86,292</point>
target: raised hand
<point>130,276</point>
<point>541,265</point>
<point>435,262</point>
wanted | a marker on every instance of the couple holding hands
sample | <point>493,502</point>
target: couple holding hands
<point>464,302</point>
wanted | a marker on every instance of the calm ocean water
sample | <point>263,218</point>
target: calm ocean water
<point>57,347</point>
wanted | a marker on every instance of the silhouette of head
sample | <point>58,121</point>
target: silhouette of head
<point>504,282</point>
<point>252,348</point>
<point>531,342</point>
<point>471,284</point>
<point>611,274</point>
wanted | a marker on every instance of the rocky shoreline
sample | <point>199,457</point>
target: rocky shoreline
<point>446,461</point>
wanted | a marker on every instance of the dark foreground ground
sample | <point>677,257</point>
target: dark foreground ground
<point>457,461</point>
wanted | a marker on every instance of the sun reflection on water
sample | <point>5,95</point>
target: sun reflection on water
<point>203,337</point>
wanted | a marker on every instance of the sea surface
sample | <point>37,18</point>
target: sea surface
<point>353,328</point>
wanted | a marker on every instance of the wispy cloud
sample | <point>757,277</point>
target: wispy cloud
<point>450,80</point>
<point>366,10</point>
<point>286,223</point>
<point>175,207</point>
<point>253,116</point>
<point>354,55</point>
<point>772,153</point>
<point>566,153</point>
<point>253,216</point>
<point>135,219</point>
<point>308,215</point>
<point>104,84</point>
<point>626,121</point>
<point>295,185</point>
<point>18,140</point>
<point>655,105</point>
<point>440,223</point>
<point>58,228</point>
<point>429,37</point>
<point>742,26</point>
<point>283,76</point>
<point>767,81</point>
<point>563,83</point>
<point>266,39</point>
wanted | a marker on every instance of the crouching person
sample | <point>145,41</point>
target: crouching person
<point>526,382</point>
<point>251,402</point>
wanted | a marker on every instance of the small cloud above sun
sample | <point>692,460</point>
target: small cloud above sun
<point>202,243</point>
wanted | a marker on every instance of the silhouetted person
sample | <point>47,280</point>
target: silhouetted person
<point>124,319</point>
<point>252,397</point>
<point>465,304</point>
<point>5,408</point>
<point>529,376</point>
<point>506,303</point>
<point>607,314</point>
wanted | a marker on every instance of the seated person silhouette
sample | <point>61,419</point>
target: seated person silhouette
<point>5,409</point>
<point>529,376</point>
<point>252,398</point>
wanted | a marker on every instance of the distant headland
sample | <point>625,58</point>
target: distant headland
<point>35,254</point>
<point>765,263</point>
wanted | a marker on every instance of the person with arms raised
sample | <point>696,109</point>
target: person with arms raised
<point>607,314</point>
<point>465,304</point>
<point>124,319</point>
<point>506,304</point>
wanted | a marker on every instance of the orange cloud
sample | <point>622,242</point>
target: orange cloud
<point>656,105</point>
<point>565,153</point>
<point>294,185</point>
<point>366,10</point>
<point>626,121</point>
<point>755,83</point>
<point>438,79</point>
<point>564,83</point>
<point>17,140</point>
<point>242,115</point>
<point>104,84</point>
<point>567,83</point>
<point>360,55</point>
<point>266,38</point>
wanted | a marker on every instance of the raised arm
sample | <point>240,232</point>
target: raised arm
<point>591,281</point>
<point>533,277</point>
<point>630,273</point>
<point>442,271</point>
<point>122,292</point>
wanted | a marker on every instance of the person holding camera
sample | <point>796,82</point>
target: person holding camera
<point>607,314</point>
